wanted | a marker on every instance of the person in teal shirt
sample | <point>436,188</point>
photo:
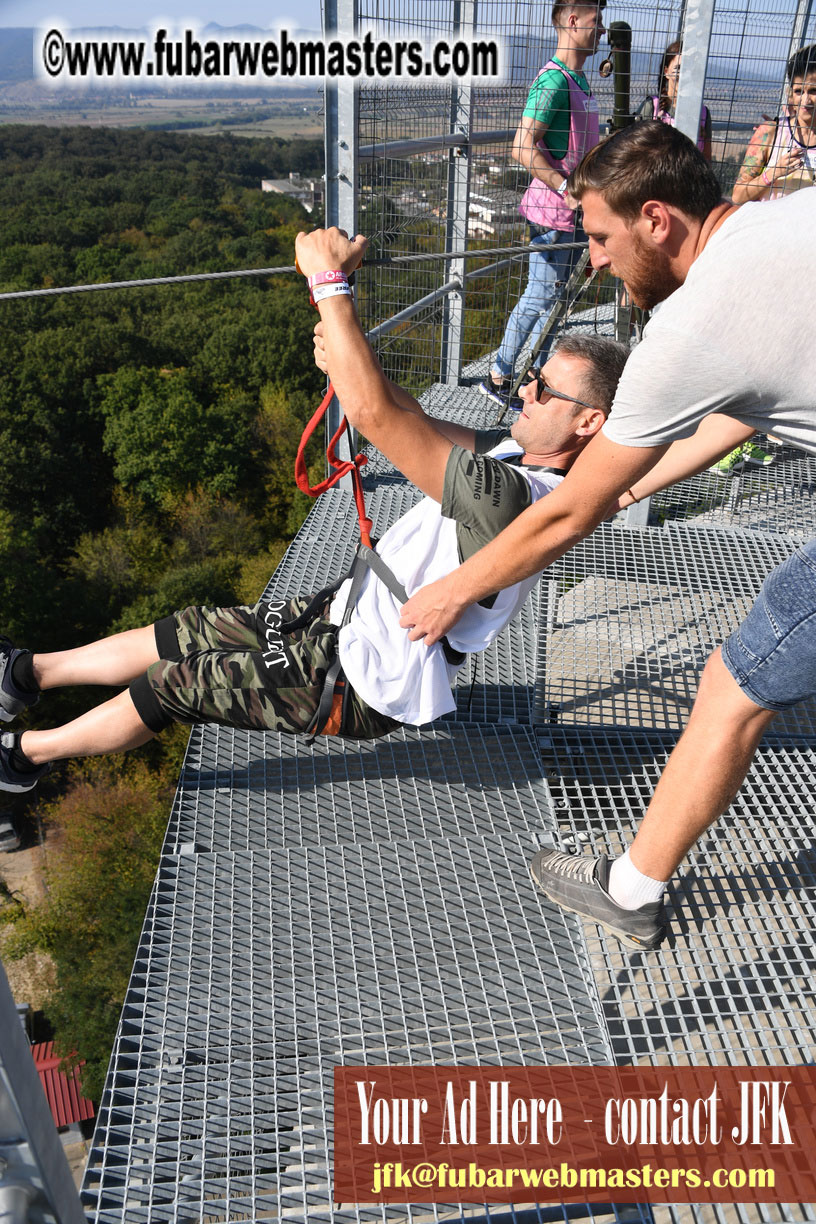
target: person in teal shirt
<point>558,125</point>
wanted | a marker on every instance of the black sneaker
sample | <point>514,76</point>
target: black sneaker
<point>12,698</point>
<point>578,883</point>
<point>12,778</point>
<point>499,393</point>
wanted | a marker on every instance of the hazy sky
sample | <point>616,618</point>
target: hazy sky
<point>73,14</point>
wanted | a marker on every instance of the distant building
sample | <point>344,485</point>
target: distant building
<point>308,192</point>
<point>492,209</point>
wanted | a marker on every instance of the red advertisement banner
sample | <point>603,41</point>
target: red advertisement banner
<point>575,1134</point>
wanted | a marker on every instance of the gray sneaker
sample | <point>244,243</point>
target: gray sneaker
<point>12,699</point>
<point>578,883</point>
<point>18,781</point>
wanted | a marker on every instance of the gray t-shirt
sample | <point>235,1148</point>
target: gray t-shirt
<point>736,338</point>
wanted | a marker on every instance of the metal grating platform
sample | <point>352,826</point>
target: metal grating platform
<point>244,790</point>
<point>779,499</point>
<point>372,903</point>
<point>323,548</point>
<point>735,981</point>
<point>258,972</point>
<point>641,610</point>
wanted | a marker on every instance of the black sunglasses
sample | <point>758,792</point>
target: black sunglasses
<point>542,386</point>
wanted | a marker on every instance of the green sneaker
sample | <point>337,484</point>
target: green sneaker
<point>755,456</point>
<point>729,463</point>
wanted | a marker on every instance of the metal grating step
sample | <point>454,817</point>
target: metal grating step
<point>780,499</point>
<point>244,790</point>
<point>735,981</point>
<point>258,972</point>
<point>680,554</point>
<point>639,613</point>
<point>324,546</point>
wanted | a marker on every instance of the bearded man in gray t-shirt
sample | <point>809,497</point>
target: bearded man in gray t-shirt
<point>729,352</point>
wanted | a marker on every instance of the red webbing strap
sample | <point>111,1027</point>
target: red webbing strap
<point>342,467</point>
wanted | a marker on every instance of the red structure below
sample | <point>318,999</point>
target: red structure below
<point>63,1089</point>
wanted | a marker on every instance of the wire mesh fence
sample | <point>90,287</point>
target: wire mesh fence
<point>405,200</point>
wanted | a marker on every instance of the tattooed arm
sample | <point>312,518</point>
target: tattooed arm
<point>756,178</point>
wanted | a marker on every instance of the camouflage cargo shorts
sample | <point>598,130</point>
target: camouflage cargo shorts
<point>234,666</point>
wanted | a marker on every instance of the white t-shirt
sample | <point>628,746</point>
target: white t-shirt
<point>406,680</point>
<point>738,337</point>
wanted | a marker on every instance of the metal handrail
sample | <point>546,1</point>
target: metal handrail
<point>432,144</point>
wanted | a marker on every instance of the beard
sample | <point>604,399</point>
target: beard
<point>649,278</point>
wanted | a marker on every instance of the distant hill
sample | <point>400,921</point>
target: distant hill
<point>16,59</point>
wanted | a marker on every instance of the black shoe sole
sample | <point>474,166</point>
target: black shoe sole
<point>637,945</point>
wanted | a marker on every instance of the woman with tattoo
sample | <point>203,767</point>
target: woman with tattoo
<point>782,154</point>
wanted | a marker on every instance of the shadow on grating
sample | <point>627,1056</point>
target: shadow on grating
<point>257,973</point>
<point>243,790</point>
<point>735,981</point>
<point>639,612</point>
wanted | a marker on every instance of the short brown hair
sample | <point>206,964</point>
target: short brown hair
<point>604,359</point>
<point>560,6</point>
<point>648,161</point>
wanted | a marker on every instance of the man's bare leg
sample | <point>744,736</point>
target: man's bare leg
<point>113,726</point>
<point>703,774</point>
<point>700,780</point>
<point>115,660</point>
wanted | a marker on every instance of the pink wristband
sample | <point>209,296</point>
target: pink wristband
<point>332,277</point>
<point>326,278</point>
<point>769,182</point>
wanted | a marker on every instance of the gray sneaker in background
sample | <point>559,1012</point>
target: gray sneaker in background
<point>14,779</point>
<point>578,883</point>
<point>12,699</point>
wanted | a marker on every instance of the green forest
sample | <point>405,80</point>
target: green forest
<point>148,438</point>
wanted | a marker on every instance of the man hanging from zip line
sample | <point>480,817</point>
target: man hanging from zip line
<point>265,667</point>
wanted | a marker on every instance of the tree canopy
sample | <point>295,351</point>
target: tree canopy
<point>148,437</point>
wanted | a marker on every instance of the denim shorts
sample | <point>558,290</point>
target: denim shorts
<point>772,656</point>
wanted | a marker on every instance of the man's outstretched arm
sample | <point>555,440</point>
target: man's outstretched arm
<point>716,436</point>
<point>409,439</point>
<point>462,435</point>
<point>536,538</point>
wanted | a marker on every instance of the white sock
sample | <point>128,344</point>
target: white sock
<point>629,887</point>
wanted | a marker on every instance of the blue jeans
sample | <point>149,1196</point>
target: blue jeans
<point>546,280</point>
<point>772,656</point>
